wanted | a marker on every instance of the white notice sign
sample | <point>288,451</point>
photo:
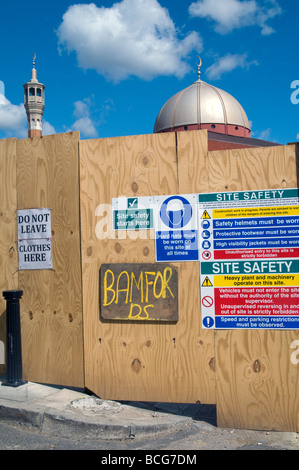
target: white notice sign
<point>34,239</point>
<point>34,223</point>
<point>35,254</point>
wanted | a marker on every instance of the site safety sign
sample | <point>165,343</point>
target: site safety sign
<point>135,213</point>
<point>249,253</point>
<point>176,228</point>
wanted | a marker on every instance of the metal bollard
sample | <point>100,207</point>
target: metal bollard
<point>14,370</point>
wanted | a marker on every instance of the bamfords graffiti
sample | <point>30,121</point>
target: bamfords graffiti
<point>139,292</point>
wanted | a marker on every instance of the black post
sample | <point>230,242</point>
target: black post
<point>14,371</point>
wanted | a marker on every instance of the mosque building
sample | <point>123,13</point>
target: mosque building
<point>199,106</point>
<point>203,106</point>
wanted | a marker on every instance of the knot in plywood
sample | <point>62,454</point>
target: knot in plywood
<point>257,366</point>
<point>136,365</point>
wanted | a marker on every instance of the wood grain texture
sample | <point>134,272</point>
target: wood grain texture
<point>8,229</point>
<point>193,162</point>
<point>158,362</point>
<point>250,169</point>
<point>248,374</point>
<point>256,382</point>
<point>51,308</point>
<point>193,177</point>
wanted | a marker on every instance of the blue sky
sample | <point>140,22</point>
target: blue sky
<point>109,67</point>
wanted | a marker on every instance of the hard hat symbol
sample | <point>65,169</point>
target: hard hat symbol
<point>176,212</point>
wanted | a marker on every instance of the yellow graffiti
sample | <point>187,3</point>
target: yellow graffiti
<point>139,315</point>
<point>155,282</point>
<point>118,290</point>
<point>138,284</point>
<point>108,288</point>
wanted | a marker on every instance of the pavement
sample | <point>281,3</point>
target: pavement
<point>72,413</point>
<point>69,412</point>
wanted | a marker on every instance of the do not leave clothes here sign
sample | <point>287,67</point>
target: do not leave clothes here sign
<point>34,239</point>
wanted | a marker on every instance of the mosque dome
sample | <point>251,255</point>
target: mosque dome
<point>203,106</point>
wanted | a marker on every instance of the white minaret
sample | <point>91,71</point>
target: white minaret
<point>34,102</point>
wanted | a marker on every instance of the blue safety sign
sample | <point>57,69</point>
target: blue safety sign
<point>176,212</point>
<point>176,230</point>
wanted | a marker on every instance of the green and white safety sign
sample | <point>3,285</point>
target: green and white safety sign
<point>134,213</point>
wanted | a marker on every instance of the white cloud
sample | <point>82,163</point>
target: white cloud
<point>85,126</point>
<point>132,38</point>
<point>84,123</point>
<point>48,129</point>
<point>13,119</point>
<point>228,63</point>
<point>232,14</point>
<point>81,108</point>
<point>265,135</point>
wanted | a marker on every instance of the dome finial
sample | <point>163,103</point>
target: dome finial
<point>198,67</point>
<point>33,61</point>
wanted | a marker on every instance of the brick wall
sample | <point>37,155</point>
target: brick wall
<point>218,145</point>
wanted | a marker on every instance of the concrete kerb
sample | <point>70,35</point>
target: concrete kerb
<point>105,429</point>
<point>68,424</point>
<point>66,413</point>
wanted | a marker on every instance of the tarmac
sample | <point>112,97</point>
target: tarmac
<point>72,413</point>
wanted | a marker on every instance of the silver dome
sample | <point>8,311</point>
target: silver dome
<point>199,104</point>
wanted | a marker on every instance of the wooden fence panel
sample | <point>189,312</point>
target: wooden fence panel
<point>127,360</point>
<point>256,382</point>
<point>8,232</point>
<point>193,164</point>
<point>248,374</point>
<point>51,307</point>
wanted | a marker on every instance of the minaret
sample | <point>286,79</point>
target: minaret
<point>34,102</point>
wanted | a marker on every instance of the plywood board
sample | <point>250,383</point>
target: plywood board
<point>193,176</point>
<point>51,308</point>
<point>125,360</point>
<point>256,381</point>
<point>252,376</point>
<point>8,232</point>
